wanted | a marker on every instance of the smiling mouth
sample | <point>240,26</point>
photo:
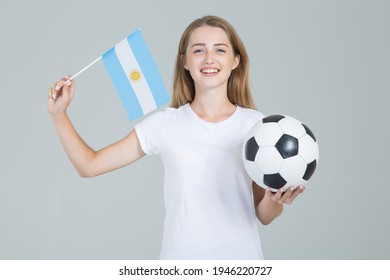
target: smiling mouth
<point>209,70</point>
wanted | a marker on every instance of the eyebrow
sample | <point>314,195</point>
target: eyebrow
<point>203,45</point>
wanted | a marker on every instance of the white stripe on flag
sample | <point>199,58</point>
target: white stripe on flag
<point>129,64</point>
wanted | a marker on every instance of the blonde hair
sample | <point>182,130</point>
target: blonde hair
<point>238,90</point>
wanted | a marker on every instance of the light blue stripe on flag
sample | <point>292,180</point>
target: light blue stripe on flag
<point>135,76</point>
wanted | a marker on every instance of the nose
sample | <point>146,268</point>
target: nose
<point>209,58</point>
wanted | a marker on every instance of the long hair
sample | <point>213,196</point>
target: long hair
<point>238,89</point>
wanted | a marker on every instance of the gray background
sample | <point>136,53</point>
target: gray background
<point>323,62</point>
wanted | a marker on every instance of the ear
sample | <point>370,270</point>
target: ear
<point>184,62</point>
<point>236,61</point>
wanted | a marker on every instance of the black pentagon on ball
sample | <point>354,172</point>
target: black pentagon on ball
<point>308,131</point>
<point>287,146</point>
<point>274,181</point>
<point>251,148</point>
<point>273,118</point>
<point>311,167</point>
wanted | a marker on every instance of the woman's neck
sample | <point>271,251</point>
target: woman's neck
<point>212,106</point>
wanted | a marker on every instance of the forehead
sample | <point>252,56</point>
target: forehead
<point>208,34</point>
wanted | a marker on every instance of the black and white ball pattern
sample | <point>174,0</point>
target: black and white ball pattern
<point>280,151</point>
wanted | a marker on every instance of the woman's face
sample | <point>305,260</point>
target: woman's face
<point>210,58</point>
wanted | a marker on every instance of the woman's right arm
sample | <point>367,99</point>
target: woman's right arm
<point>88,163</point>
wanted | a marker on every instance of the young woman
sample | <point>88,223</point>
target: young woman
<point>211,203</point>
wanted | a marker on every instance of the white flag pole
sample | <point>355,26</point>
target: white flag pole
<point>85,68</point>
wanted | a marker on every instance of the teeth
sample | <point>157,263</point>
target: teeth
<point>209,71</point>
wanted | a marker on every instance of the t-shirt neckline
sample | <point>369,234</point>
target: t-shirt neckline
<point>236,112</point>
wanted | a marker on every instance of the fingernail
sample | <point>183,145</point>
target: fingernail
<point>69,83</point>
<point>57,88</point>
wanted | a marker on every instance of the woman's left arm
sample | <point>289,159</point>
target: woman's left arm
<point>269,205</point>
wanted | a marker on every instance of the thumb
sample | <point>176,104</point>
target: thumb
<point>68,87</point>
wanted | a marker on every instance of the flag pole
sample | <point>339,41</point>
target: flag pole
<point>85,68</point>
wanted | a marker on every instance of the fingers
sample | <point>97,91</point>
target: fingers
<point>292,193</point>
<point>57,89</point>
<point>275,196</point>
<point>286,196</point>
<point>281,195</point>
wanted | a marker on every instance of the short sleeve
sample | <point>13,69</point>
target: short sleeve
<point>150,132</point>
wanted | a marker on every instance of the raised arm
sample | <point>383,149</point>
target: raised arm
<point>88,162</point>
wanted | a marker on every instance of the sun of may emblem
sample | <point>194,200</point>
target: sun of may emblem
<point>135,75</point>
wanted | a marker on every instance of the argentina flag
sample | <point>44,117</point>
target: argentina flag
<point>135,76</point>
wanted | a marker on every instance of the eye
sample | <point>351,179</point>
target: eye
<point>197,51</point>
<point>221,51</point>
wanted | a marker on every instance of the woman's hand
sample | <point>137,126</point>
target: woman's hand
<point>59,96</point>
<point>282,196</point>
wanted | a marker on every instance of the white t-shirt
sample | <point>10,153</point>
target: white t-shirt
<point>207,192</point>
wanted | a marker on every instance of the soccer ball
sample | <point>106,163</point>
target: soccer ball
<point>279,152</point>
